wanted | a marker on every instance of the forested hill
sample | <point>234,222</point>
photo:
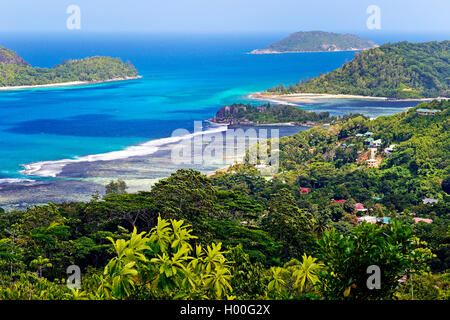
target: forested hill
<point>265,114</point>
<point>318,41</point>
<point>299,234</point>
<point>399,70</point>
<point>15,71</point>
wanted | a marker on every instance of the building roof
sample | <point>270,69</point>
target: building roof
<point>302,190</point>
<point>428,110</point>
<point>378,141</point>
<point>390,148</point>
<point>360,207</point>
<point>429,200</point>
<point>384,220</point>
<point>369,219</point>
<point>417,220</point>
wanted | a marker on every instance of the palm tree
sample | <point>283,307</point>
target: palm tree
<point>307,272</point>
<point>40,263</point>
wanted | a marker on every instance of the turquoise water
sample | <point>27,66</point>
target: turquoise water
<point>185,78</point>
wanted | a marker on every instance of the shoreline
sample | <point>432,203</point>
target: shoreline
<point>268,51</point>
<point>313,97</point>
<point>53,168</point>
<point>269,124</point>
<point>56,178</point>
<point>66,84</point>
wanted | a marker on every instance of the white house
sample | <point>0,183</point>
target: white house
<point>429,201</point>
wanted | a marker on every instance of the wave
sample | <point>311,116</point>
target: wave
<point>16,180</point>
<point>275,101</point>
<point>283,102</point>
<point>53,168</point>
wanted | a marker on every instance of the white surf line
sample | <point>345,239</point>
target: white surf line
<point>53,168</point>
<point>15,180</point>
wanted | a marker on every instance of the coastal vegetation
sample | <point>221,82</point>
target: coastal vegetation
<point>398,70</point>
<point>239,235</point>
<point>318,41</point>
<point>14,71</point>
<point>267,113</point>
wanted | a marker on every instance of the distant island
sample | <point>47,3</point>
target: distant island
<point>401,70</point>
<point>246,114</point>
<point>317,41</point>
<point>15,72</point>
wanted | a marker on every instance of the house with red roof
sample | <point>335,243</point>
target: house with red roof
<point>417,220</point>
<point>360,207</point>
<point>304,190</point>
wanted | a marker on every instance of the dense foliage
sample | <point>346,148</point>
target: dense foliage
<point>241,235</point>
<point>14,71</point>
<point>267,113</point>
<point>312,41</point>
<point>399,70</point>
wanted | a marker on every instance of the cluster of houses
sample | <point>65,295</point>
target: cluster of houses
<point>373,219</point>
<point>387,220</point>
<point>359,207</point>
<point>373,143</point>
<point>373,146</point>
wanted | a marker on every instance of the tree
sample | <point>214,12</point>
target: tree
<point>187,195</point>
<point>248,278</point>
<point>295,280</point>
<point>446,185</point>
<point>162,264</point>
<point>114,187</point>
<point>392,248</point>
<point>40,263</point>
<point>426,287</point>
<point>288,224</point>
<point>321,173</point>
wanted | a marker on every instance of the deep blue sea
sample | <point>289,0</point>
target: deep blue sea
<point>185,78</point>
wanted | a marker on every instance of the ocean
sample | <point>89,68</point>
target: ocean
<point>64,144</point>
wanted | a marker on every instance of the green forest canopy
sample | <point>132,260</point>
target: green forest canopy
<point>14,71</point>
<point>399,70</point>
<point>267,113</point>
<point>320,41</point>
<point>260,238</point>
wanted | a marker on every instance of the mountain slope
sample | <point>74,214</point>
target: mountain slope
<point>15,71</point>
<point>399,70</point>
<point>318,41</point>
<point>10,57</point>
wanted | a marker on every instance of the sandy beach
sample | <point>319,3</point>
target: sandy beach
<point>66,84</point>
<point>316,97</point>
<point>269,51</point>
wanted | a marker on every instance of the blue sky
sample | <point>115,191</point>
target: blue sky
<point>224,15</point>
